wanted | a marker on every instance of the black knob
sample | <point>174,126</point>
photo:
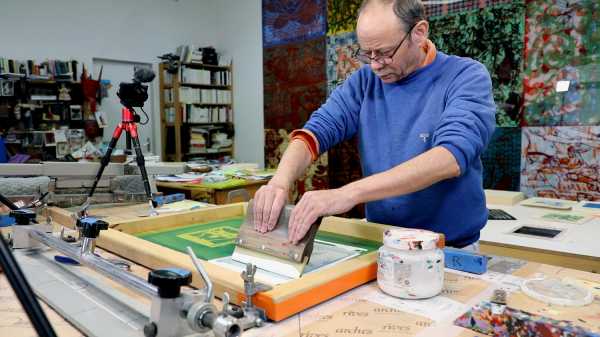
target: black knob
<point>150,329</point>
<point>23,216</point>
<point>169,281</point>
<point>91,227</point>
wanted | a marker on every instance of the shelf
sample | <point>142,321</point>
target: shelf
<point>210,104</point>
<point>216,123</point>
<point>20,132</point>
<point>170,131</point>
<point>58,81</point>
<point>205,86</point>
<point>208,152</point>
<point>205,66</point>
<point>12,76</point>
<point>199,85</point>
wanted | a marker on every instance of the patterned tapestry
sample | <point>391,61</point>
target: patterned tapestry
<point>344,160</point>
<point>477,34</point>
<point>316,177</point>
<point>561,162</point>
<point>340,63</point>
<point>295,83</point>
<point>562,63</point>
<point>539,47</point>
<point>341,15</point>
<point>452,6</point>
<point>502,160</point>
<point>286,21</point>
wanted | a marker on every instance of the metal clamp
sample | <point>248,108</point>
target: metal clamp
<point>203,274</point>
<point>253,315</point>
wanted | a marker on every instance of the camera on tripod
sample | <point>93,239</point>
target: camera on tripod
<point>135,94</point>
<point>132,95</point>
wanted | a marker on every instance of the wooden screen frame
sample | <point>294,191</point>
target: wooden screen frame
<point>279,303</point>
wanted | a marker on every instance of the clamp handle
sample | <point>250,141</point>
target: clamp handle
<point>91,227</point>
<point>169,281</point>
<point>23,216</point>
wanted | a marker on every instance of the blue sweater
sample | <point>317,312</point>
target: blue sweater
<point>447,103</point>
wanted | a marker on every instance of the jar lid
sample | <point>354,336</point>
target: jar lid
<point>558,291</point>
<point>412,239</point>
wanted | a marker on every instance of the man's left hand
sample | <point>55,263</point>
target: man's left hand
<point>4,209</point>
<point>314,204</point>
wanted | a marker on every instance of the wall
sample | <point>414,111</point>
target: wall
<point>140,30</point>
<point>240,37</point>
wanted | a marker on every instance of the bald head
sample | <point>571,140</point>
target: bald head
<point>391,33</point>
<point>376,19</point>
<point>408,12</point>
<point>381,21</point>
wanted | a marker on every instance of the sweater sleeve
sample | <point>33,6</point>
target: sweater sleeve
<point>337,120</point>
<point>468,120</point>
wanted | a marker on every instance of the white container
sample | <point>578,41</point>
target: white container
<point>411,263</point>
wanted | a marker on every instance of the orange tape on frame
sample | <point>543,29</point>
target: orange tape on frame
<point>293,305</point>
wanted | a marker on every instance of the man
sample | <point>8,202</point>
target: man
<point>422,118</point>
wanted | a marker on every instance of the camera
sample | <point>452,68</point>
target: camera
<point>171,61</point>
<point>135,94</point>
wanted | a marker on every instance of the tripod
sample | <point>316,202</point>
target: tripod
<point>128,124</point>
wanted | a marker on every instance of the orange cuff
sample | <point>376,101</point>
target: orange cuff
<point>309,139</point>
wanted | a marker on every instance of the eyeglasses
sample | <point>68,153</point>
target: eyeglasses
<point>381,58</point>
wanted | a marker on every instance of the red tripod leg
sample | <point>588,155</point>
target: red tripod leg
<point>131,128</point>
<point>106,158</point>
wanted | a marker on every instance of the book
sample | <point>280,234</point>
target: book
<point>548,203</point>
<point>499,197</point>
<point>566,217</point>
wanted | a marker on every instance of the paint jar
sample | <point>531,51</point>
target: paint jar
<point>411,263</point>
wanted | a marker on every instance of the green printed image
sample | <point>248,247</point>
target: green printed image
<point>208,240</point>
<point>563,217</point>
<point>216,239</point>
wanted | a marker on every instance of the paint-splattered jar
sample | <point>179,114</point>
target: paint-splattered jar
<point>411,263</point>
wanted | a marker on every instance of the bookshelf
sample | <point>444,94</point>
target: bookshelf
<point>42,108</point>
<point>196,106</point>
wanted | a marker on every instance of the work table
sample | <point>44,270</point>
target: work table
<point>366,310</point>
<point>575,247</point>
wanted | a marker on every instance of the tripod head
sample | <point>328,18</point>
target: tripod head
<point>135,94</point>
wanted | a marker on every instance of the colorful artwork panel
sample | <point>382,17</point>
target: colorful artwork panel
<point>561,162</point>
<point>340,60</point>
<point>295,83</point>
<point>477,34</point>
<point>341,15</point>
<point>497,320</point>
<point>316,177</point>
<point>502,160</point>
<point>286,21</point>
<point>439,8</point>
<point>562,63</point>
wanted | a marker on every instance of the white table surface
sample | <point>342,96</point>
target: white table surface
<point>579,239</point>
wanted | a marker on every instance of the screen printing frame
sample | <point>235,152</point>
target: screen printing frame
<point>283,300</point>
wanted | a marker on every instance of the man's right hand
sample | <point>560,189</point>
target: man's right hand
<point>267,205</point>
